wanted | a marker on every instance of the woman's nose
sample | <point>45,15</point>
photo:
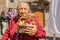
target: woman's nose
<point>23,10</point>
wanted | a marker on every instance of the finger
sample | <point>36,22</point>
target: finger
<point>29,28</point>
<point>33,26</point>
<point>27,32</point>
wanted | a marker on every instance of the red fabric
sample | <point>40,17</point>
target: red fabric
<point>40,31</point>
<point>11,32</point>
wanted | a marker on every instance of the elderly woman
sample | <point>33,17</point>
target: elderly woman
<point>32,28</point>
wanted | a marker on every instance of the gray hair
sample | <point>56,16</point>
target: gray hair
<point>27,4</point>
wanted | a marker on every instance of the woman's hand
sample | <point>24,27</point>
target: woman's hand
<point>31,30</point>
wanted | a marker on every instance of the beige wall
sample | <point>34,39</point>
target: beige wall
<point>2,5</point>
<point>2,2</point>
<point>12,5</point>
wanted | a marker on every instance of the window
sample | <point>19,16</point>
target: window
<point>12,1</point>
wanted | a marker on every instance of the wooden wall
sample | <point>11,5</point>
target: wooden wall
<point>40,16</point>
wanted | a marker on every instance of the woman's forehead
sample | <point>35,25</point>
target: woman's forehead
<point>23,5</point>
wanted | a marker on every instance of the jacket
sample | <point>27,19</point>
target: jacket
<point>11,32</point>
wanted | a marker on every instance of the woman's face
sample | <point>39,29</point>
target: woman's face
<point>23,9</point>
<point>10,10</point>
